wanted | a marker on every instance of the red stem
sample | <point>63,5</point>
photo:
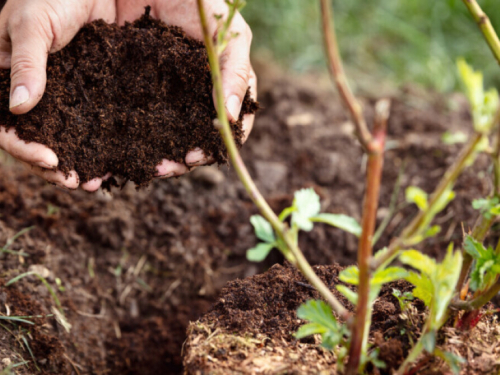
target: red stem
<point>373,178</point>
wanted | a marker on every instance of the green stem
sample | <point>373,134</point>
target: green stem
<point>479,301</point>
<point>337,72</point>
<point>365,248</point>
<point>246,179</point>
<point>485,25</point>
<point>449,179</point>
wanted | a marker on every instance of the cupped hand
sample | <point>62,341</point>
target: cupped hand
<point>237,72</point>
<point>29,31</point>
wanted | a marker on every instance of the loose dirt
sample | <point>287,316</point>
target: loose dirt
<point>137,266</point>
<point>121,99</point>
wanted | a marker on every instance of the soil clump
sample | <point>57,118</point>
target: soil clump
<point>121,99</point>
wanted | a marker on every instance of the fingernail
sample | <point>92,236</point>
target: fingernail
<point>45,165</point>
<point>168,175</point>
<point>19,96</point>
<point>233,106</point>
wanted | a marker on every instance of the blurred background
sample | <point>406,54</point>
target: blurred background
<point>393,42</point>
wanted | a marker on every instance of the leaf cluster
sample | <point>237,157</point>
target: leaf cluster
<point>486,267</point>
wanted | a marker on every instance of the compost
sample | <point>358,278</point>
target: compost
<point>121,99</point>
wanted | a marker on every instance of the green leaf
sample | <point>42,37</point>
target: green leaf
<point>306,203</point>
<point>419,261</point>
<point>474,248</point>
<point>418,196</point>
<point>310,329</point>
<point>424,290</point>
<point>350,275</point>
<point>453,360</point>
<point>263,229</point>
<point>259,252</point>
<point>429,341</point>
<point>344,222</point>
<point>321,321</point>
<point>388,275</point>
<point>348,293</point>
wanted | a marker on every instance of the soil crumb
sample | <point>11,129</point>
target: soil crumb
<point>121,99</point>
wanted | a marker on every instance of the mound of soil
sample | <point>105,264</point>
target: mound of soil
<point>249,330</point>
<point>137,266</point>
<point>121,99</point>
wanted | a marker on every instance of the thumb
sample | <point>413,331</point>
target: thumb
<point>30,47</point>
<point>236,70</point>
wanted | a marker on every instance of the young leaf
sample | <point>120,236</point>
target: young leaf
<point>418,261</point>
<point>344,222</point>
<point>350,275</point>
<point>307,205</point>
<point>488,207</point>
<point>388,275</point>
<point>429,341</point>
<point>263,230</point>
<point>259,252</point>
<point>424,290</point>
<point>321,321</point>
<point>450,138</point>
<point>486,265</point>
<point>418,196</point>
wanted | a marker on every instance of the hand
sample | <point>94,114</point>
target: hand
<point>237,72</point>
<point>29,30</point>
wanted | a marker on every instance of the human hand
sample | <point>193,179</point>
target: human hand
<point>237,72</point>
<point>29,30</point>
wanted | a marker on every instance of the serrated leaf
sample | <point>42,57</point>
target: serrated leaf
<point>424,290</point>
<point>310,329</point>
<point>263,229</point>
<point>418,196</point>
<point>321,321</point>
<point>474,248</point>
<point>307,202</point>
<point>350,275</point>
<point>344,222</point>
<point>351,295</point>
<point>388,275</point>
<point>419,261</point>
<point>260,252</point>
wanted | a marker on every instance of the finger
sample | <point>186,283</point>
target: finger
<point>92,185</point>
<point>198,157</point>
<point>236,68</point>
<point>55,177</point>
<point>248,120</point>
<point>31,39</point>
<point>32,153</point>
<point>168,168</point>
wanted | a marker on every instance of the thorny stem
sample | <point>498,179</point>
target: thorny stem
<point>485,25</point>
<point>449,178</point>
<point>365,249</point>
<point>246,179</point>
<point>338,75</point>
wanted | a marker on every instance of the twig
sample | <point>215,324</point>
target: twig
<point>484,24</point>
<point>365,248</point>
<point>244,176</point>
<point>479,301</point>
<point>339,77</point>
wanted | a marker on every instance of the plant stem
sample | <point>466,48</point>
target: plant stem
<point>339,77</point>
<point>365,248</point>
<point>246,179</point>
<point>485,25</point>
<point>449,178</point>
<point>479,301</point>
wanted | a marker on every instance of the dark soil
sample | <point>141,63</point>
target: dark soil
<point>259,313</point>
<point>121,99</point>
<point>139,265</point>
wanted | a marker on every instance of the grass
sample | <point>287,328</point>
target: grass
<point>386,40</point>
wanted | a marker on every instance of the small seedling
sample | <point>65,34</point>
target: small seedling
<point>404,299</point>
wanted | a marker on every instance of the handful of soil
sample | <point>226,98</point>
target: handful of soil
<point>121,99</point>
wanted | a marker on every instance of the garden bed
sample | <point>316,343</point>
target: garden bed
<point>137,266</point>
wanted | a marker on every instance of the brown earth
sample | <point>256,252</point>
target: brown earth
<point>121,99</point>
<point>136,267</point>
<point>249,330</point>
